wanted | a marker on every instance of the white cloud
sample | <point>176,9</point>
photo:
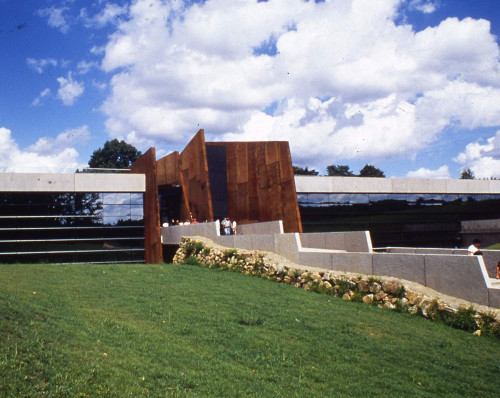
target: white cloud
<point>339,79</point>
<point>56,17</point>
<point>70,137</point>
<point>69,90</point>
<point>85,67</point>
<point>39,65</point>
<point>38,100</point>
<point>109,14</point>
<point>482,159</point>
<point>29,160</point>
<point>425,6</point>
<point>442,172</point>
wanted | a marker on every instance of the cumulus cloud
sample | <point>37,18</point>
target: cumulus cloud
<point>338,79</point>
<point>85,67</point>
<point>56,17</point>
<point>109,14</point>
<point>425,6</point>
<point>38,100</point>
<point>482,159</point>
<point>69,90</point>
<point>442,172</point>
<point>68,138</point>
<point>39,65</point>
<point>38,157</point>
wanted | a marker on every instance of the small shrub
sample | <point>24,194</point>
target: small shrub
<point>192,248</point>
<point>464,319</point>
<point>192,260</point>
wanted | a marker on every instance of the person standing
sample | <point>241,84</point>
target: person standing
<point>473,250</point>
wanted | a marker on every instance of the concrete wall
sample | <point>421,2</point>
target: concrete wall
<point>490,257</point>
<point>172,235</point>
<point>77,182</point>
<point>270,227</point>
<point>325,184</point>
<point>356,241</point>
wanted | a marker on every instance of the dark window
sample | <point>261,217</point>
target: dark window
<point>71,227</point>
<point>426,220</point>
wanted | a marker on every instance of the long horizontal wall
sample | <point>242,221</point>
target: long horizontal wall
<point>453,274</point>
<point>325,184</point>
<point>76,182</point>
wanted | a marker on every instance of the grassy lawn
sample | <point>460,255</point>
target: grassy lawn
<point>496,246</point>
<point>165,330</point>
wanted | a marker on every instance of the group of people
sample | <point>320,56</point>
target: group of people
<point>228,227</point>
<point>473,250</point>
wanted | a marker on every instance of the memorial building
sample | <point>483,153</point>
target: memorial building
<point>87,217</point>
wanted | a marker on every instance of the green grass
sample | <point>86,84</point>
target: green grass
<point>165,330</point>
<point>496,246</point>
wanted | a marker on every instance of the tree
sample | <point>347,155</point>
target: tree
<point>114,155</point>
<point>339,170</point>
<point>371,171</point>
<point>467,174</point>
<point>299,171</point>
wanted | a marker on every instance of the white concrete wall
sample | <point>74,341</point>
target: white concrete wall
<point>77,182</point>
<point>324,184</point>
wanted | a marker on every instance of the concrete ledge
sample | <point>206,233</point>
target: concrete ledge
<point>357,241</point>
<point>116,182</point>
<point>77,182</point>
<point>457,276</point>
<point>172,235</point>
<point>38,182</point>
<point>287,245</point>
<point>494,298</point>
<point>353,262</point>
<point>406,266</point>
<point>270,227</point>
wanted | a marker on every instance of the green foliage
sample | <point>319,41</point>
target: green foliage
<point>467,174</point>
<point>114,155</point>
<point>339,170</point>
<point>192,248</point>
<point>369,170</point>
<point>191,260</point>
<point>305,172</point>
<point>464,319</point>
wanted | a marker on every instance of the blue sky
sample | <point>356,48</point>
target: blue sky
<point>411,86</point>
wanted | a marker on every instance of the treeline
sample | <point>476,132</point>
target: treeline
<point>368,170</point>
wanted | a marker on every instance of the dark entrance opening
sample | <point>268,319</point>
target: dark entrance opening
<point>170,203</point>
<point>217,172</point>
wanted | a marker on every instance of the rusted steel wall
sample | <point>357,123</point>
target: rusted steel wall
<point>194,178</point>
<point>261,185</point>
<point>146,164</point>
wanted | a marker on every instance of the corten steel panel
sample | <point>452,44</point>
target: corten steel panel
<point>168,173</point>
<point>261,185</point>
<point>194,172</point>
<point>167,170</point>
<point>152,236</point>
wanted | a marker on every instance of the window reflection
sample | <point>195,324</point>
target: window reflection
<point>71,226</point>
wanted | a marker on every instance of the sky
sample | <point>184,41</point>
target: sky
<point>410,86</point>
